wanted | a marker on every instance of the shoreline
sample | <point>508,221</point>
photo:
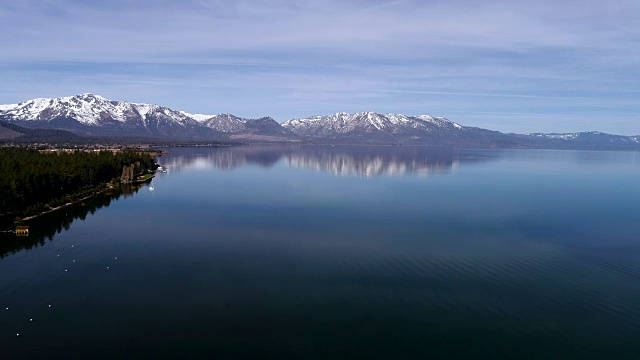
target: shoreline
<point>28,218</point>
<point>106,189</point>
<point>142,181</point>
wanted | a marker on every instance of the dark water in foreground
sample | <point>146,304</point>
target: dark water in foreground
<point>340,253</point>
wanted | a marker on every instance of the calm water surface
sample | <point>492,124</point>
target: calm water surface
<point>338,252</point>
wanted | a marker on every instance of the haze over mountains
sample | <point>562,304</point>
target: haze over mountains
<point>95,116</point>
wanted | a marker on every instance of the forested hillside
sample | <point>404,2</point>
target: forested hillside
<point>32,181</point>
<point>19,134</point>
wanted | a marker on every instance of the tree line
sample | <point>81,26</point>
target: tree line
<point>32,181</point>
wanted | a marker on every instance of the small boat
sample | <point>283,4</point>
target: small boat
<point>151,188</point>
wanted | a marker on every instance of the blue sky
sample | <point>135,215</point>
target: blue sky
<point>513,66</point>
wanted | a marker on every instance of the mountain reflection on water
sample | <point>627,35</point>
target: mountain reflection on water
<point>254,252</point>
<point>44,228</point>
<point>340,160</point>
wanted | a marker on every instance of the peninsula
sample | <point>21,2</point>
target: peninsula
<point>34,182</point>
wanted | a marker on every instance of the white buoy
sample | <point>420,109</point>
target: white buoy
<point>49,305</point>
<point>30,320</point>
<point>7,309</point>
<point>116,258</point>
<point>107,268</point>
<point>65,270</point>
<point>71,245</point>
<point>74,261</point>
<point>17,334</point>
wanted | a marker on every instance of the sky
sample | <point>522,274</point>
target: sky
<point>513,66</point>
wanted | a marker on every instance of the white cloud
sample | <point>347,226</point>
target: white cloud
<point>277,56</point>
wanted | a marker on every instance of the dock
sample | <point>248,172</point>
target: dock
<point>21,230</point>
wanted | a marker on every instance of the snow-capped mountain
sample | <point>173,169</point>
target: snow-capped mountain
<point>197,117</point>
<point>369,123</point>
<point>231,124</point>
<point>7,107</point>
<point>90,109</point>
<point>90,114</point>
<point>395,128</point>
<point>588,139</point>
<point>95,115</point>
<point>227,123</point>
<point>370,127</point>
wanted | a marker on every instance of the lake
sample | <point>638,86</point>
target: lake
<point>339,252</point>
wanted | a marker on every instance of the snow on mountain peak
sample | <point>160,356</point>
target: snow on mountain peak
<point>7,107</point>
<point>89,109</point>
<point>94,110</point>
<point>197,117</point>
<point>367,122</point>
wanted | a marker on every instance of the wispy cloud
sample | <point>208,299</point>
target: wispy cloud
<point>477,60</point>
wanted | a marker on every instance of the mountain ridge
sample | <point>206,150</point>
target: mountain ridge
<point>93,115</point>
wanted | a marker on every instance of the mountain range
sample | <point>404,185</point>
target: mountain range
<point>89,115</point>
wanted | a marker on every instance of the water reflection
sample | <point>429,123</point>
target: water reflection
<point>371,161</point>
<point>340,160</point>
<point>44,228</point>
<point>528,254</point>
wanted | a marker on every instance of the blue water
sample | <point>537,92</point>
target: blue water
<point>339,252</point>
